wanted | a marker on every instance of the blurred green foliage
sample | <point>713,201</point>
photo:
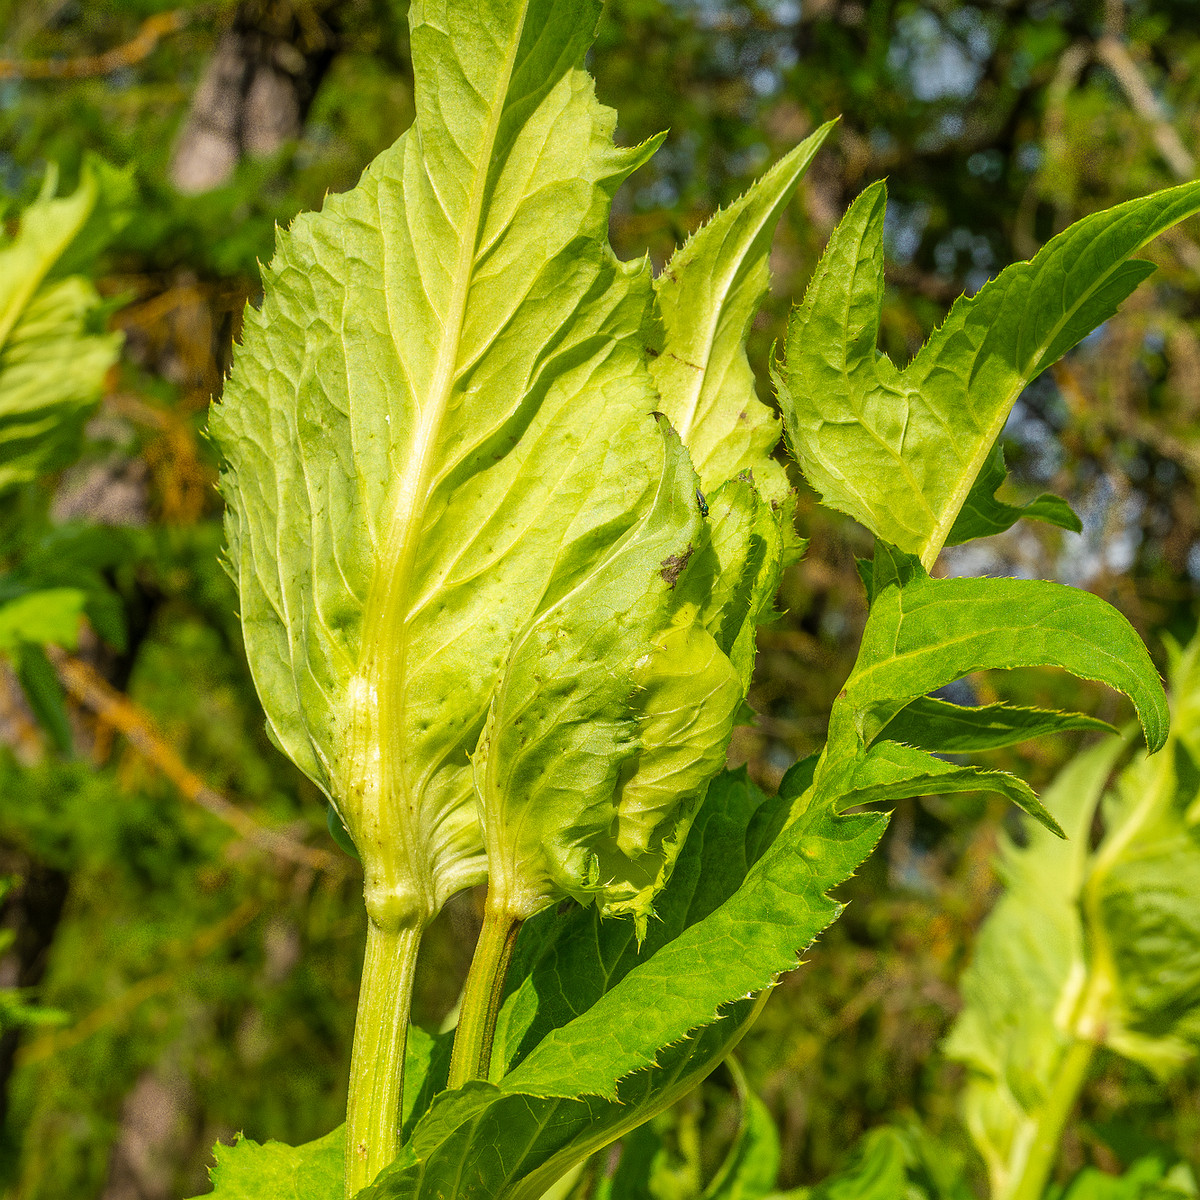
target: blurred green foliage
<point>208,982</point>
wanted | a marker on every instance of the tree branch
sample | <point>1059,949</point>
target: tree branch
<point>140,46</point>
<point>102,699</point>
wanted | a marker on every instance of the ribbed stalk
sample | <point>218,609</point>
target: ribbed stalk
<point>472,1053</point>
<point>377,1063</point>
<point>1030,1184</point>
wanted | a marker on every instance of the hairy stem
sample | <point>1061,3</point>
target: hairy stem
<point>377,1063</point>
<point>472,1055</point>
<point>1030,1182</point>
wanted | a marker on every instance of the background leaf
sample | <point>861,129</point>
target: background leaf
<point>1140,896</point>
<point>750,1167</point>
<point>1027,965</point>
<point>52,360</point>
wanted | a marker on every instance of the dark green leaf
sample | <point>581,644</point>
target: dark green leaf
<point>651,1023</point>
<point>924,633</point>
<point>982,514</point>
<point>947,728</point>
<point>888,772</point>
<point>44,694</point>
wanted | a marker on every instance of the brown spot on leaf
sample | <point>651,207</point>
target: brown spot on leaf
<point>673,565</point>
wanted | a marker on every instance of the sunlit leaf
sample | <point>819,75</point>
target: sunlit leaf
<point>901,450</point>
<point>438,424</point>
<point>52,360</point>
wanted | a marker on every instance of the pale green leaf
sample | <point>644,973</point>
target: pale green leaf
<point>1141,894</point>
<point>50,615</point>
<point>1026,973</point>
<point>1087,947</point>
<point>52,363</point>
<point>1146,1179</point>
<point>438,424</point>
<point>612,715</point>
<point>273,1171</point>
<point>900,450</point>
<point>732,575</point>
<point>708,295</point>
<point>599,1035</point>
<point>947,728</point>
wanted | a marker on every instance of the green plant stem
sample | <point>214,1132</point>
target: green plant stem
<point>472,1055</point>
<point>377,1063</point>
<point>1043,1151</point>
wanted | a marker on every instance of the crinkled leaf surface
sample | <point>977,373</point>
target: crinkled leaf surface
<point>900,451</point>
<point>52,362</point>
<point>1141,894</point>
<point>708,294</point>
<point>438,424</point>
<point>598,1035</point>
<point>946,728</point>
<point>612,715</point>
<point>734,571</point>
<point>543,828</point>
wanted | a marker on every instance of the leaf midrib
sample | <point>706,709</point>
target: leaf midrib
<point>384,655</point>
<point>941,530</point>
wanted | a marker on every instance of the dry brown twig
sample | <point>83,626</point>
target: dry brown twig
<point>141,45</point>
<point>1113,54</point>
<point>117,710</point>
